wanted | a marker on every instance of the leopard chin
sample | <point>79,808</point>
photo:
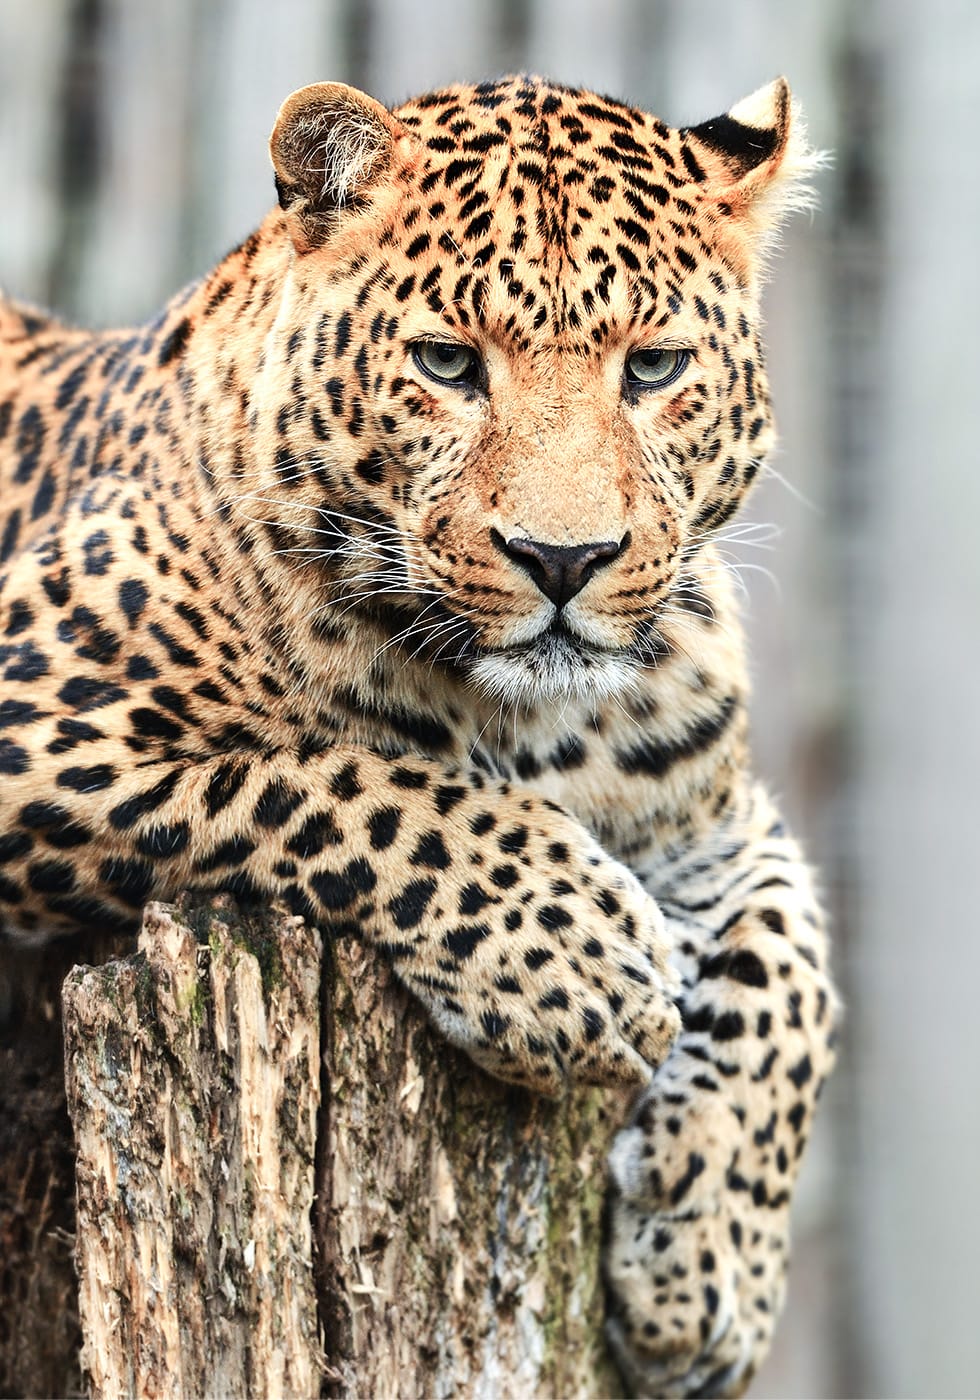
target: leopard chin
<point>554,668</point>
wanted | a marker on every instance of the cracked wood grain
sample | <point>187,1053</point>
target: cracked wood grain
<point>434,1234</point>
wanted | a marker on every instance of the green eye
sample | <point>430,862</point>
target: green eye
<point>447,362</point>
<point>655,369</point>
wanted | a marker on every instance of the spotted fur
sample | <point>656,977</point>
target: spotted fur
<point>450,665</point>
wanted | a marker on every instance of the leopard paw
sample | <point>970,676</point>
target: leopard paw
<point>692,1302</point>
<point>575,989</point>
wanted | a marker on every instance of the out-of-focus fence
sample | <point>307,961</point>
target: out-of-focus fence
<point>133,153</point>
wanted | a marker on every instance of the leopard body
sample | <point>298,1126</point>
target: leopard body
<point>450,665</point>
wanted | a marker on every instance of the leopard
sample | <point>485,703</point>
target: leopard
<point>381,574</point>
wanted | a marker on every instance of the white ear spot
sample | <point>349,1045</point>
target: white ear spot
<point>760,109</point>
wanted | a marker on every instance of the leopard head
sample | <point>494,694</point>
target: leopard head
<point>515,380</point>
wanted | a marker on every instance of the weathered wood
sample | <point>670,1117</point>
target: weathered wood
<point>193,1086</point>
<point>457,1220</point>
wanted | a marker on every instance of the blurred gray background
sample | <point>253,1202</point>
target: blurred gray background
<point>133,155</point>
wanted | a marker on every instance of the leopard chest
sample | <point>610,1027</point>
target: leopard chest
<point>638,791</point>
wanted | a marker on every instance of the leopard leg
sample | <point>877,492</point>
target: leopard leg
<point>531,948</point>
<point>703,1174</point>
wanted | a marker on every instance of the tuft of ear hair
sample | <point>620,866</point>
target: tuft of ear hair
<point>756,163</point>
<point>329,145</point>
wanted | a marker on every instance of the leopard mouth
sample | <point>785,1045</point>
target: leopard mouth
<point>555,665</point>
<point>556,639</point>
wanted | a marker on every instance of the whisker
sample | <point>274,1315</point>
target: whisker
<point>804,500</point>
<point>476,741</point>
<point>413,629</point>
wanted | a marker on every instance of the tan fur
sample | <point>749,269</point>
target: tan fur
<point>451,666</point>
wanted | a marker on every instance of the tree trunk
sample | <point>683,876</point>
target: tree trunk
<point>456,1221</point>
<point>193,1086</point>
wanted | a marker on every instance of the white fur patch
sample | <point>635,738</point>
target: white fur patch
<point>789,188</point>
<point>552,671</point>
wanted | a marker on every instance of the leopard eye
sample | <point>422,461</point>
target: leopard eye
<point>447,362</point>
<point>655,369</point>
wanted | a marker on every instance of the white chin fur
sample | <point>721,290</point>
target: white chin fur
<point>552,671</point>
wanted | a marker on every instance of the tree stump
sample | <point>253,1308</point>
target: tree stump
<point>287,1184</point>
<point>192,1075</point>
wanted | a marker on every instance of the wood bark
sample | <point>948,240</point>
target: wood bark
<point>193,1084</point>
<point>288,1184</point>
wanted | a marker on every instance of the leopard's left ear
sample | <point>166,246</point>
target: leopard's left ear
<point>330,145</point>
<point>755,162</point>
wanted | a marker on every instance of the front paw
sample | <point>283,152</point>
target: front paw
<point>692,1302</point>
<point>577,989</point>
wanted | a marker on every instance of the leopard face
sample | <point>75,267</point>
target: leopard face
<point>515,380</point>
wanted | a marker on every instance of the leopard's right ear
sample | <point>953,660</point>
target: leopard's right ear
<point>329,145</point>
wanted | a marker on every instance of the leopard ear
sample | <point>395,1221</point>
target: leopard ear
<point>329,145</point>
<point>755,162</point>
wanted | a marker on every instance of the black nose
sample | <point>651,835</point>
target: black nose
<point>559,570</point>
